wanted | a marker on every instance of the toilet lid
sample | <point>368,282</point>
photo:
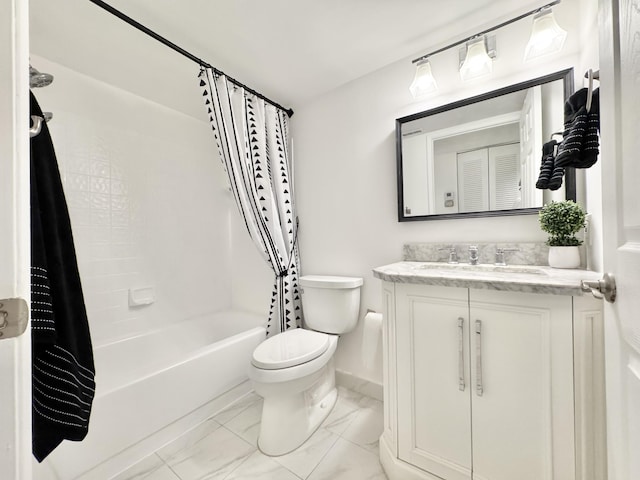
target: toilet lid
<point>290,348</point>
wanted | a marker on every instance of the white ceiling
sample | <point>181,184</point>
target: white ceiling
<point>289,50</point>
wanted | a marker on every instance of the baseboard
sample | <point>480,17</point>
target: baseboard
<point>396,469</point>
<point>359,385</point>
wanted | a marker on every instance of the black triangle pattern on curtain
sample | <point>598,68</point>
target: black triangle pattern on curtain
<point>293,310</point>
<point>253,143</point>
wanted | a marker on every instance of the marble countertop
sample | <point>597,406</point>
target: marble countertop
<point>514,278</point>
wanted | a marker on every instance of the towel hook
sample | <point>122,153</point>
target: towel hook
<point>37,125</point>
<point>589,90</point>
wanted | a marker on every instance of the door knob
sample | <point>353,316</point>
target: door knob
<point>603,288</point>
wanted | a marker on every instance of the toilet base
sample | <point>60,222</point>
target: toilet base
<point>289,420</point>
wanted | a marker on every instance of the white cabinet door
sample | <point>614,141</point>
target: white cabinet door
<point>484,383</point>
<point>522,399</point>
<point>434,413</point>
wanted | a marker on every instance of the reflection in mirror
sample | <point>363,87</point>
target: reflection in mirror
<point>481,156</point>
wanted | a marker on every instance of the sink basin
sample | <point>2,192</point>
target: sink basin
<point>481,268</point>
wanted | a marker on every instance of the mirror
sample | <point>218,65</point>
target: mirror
<point>481,156</point>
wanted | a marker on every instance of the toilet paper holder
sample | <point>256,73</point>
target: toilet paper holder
<point>371,336</point>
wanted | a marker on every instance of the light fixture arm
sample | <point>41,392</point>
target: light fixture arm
<point>508,22</point>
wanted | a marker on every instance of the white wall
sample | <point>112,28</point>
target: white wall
<point>147,203</point>
<point>346,168</point>
<point>592,176</point>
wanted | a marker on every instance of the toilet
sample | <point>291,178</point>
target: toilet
<point>294,371</point>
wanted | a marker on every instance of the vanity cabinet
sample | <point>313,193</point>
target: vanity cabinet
<point>480,384</point>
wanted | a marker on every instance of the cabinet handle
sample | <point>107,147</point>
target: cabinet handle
<point>479,358</point>
<point>461,385</point>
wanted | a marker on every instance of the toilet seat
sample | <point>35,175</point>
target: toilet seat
<point>290,348</point>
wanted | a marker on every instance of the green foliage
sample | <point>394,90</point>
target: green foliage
<point>562,220</point>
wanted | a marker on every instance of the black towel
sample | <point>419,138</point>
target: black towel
<point>547,165</point>
<point>579,147</point>
<point>62,370</point>
<point>555,182</point>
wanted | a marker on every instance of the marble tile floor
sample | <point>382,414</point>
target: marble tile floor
<point>224,447</point>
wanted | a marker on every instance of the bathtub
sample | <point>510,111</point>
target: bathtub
<point>146,382</point>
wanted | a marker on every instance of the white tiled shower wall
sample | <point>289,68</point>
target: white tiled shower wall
<point>147,202</point>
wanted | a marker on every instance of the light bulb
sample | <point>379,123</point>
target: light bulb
<point>423,82</point>
<point>546,36</point>
<point>477,62</point>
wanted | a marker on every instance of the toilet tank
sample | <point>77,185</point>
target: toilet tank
<point>330,304</point>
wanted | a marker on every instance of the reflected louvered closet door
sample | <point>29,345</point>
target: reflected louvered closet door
<point>505,177</point>
<point>473,180</point>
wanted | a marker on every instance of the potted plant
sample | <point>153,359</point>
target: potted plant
<point>562,220</point>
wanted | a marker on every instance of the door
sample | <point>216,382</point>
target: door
<point>620,117</point>
<point>415,175</point>
<point>15,357</point>
<point>434,411</point>
<point>505,177</point>
<point>473,180</point>
<point>522,386</point>
<point>531,145</point>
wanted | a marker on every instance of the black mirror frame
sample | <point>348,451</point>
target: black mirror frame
<point>570,174</point>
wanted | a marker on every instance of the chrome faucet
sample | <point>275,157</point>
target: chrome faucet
<point>500,255</point>
<point>453,254</point>
<point>473,255</point>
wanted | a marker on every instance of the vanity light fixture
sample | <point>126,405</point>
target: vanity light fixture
<point>546,35</point>
<point>423,83</point>
<point>477,61</point>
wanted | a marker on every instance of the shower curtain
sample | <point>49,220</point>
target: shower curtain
<point>253,142</point>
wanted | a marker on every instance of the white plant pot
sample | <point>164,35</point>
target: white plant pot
<point>564,257</point>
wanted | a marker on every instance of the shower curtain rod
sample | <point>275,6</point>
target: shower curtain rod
<point>182,51</point>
